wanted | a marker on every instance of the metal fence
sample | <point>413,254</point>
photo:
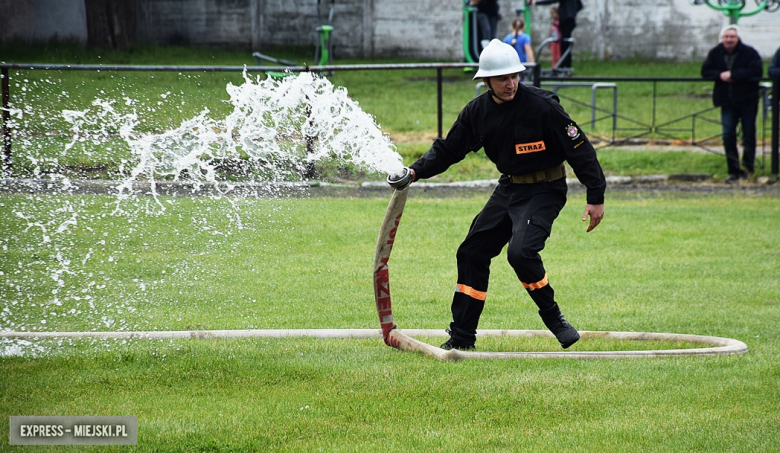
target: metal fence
<point>689,124</point>
<point>770,101</point>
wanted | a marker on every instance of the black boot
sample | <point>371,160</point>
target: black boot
<point>465,318</point>
<point>563,331</point>
<point>457,343</point>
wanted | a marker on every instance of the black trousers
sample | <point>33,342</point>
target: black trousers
<point>517,215</point>
<point>567,28</point>
<point>730,116</point>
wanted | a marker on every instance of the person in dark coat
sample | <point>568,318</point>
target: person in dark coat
<point>774,66</point>
<point>736,69</point>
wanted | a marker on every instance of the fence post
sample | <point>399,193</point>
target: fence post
<point>438,99</point>
<point>537,70</point>
<point>775,126</point>
<point>6,121</point>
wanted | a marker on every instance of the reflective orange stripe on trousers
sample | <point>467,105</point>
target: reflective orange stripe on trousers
<point>469,291</point>
<point>540,284</point>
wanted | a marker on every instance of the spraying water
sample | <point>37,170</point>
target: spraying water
<point>277,132</point>
<point>279,129</point>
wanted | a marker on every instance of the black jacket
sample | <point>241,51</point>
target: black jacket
<point>567,9</point>
<point>746,71</point>
<point>489,7</point>
<point>530,133</point>
<point>774,67</point>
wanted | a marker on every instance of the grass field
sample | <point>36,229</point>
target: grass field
<point>701,264</point>
<point>662,261</point>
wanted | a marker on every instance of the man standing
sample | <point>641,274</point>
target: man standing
<point>527,134</point>
<point>774,66</point>
<point>736,69</point>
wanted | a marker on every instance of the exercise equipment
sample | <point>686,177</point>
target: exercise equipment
<point>470,33</point>
<point>733,9</point>
<point>323,54</point>
<point>276,61</point>
<point>556,70</point>
<point>524,11</point>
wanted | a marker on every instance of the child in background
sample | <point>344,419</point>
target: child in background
<point>555,34</point>
<point>520,41</point>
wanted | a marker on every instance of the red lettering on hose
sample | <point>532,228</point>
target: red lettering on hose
<point>391,235</point>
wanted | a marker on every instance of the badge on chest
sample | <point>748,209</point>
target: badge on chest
<point>525,148</point>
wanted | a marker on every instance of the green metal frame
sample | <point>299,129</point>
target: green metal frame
<point>325,58</point>
<point>526,16</point>
<point>733,8</point>
<point>468,17</point>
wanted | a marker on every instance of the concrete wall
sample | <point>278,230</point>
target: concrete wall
<point>41,20</point>
<point>421,29</point>
<point>222,23</point>
<point>424,29</point>
<point>666,29</point>
<point>429,29</point>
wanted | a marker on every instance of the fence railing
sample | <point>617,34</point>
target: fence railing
<point>536,79</point>
<point>769,95</point>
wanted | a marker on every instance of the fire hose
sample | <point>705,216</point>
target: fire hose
<point>384,307</point>
<point>393,337</point>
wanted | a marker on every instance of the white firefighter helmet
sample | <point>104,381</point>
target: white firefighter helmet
<point>497,59</point>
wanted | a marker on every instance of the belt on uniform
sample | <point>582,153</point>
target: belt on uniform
<point>548,174</point>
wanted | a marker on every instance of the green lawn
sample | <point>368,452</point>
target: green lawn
<point>691,263</point>
<point>699,264</point>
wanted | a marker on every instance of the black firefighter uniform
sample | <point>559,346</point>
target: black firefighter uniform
<point>528,139</point>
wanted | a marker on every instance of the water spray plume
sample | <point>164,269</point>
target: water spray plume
<point>274,133</point>
<point>278,128</point>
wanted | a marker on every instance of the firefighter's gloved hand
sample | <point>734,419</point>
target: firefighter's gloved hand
<point>400,181</point>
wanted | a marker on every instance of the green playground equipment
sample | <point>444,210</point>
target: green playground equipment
<point>323,55</point>
<point>275,61</point>
<point>733,9</point>
<point>524,11</point>
<point>470,35</point>
<point>470,32</point>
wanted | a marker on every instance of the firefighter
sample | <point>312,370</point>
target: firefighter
<point>526,133</point>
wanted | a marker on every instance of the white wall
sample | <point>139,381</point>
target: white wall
<point>669,29</point>
<point>422,29</point>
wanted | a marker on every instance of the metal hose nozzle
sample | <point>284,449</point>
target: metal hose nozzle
<point>400,181</point>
